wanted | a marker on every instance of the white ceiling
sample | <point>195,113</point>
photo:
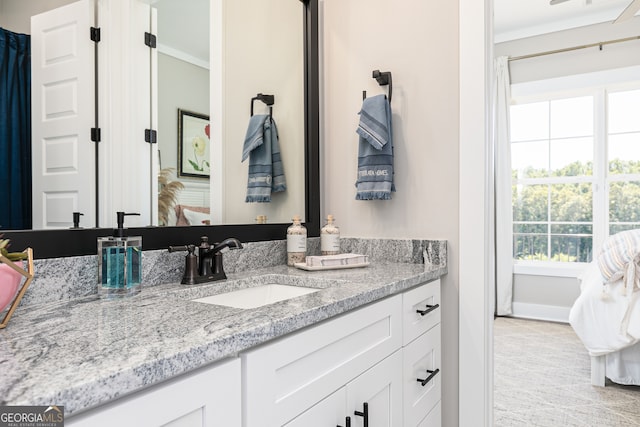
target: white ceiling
<point>515,19</point>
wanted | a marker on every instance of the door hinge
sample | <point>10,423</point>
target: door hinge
<point>95,34</point>
<point>150,40</point>
<point>150,136</point>
<point>95,134</point>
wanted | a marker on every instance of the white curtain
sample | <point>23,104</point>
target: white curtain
<point>503,210</point>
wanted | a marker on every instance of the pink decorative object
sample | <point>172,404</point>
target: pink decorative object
<point>9,284</point>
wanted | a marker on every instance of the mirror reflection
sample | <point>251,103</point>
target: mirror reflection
<point>262,52</point>
<point>249,53</point>
<point>184,138</point>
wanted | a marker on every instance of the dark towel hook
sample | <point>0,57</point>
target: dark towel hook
<point>384,79</point>
<point>267,99</point>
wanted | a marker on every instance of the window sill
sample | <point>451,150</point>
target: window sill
<point>553,269</point>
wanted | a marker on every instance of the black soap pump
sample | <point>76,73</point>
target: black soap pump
<point>76,220</point>
<point>119,262</point>
<point>119,232</point>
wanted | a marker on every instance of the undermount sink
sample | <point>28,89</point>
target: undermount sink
<point>257,296</point>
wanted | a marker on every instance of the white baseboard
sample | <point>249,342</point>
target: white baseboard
<point>552,313</point>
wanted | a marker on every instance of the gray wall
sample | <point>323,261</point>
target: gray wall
<point>180,85</point>
<point>359,36</point>
<point>545,290</point>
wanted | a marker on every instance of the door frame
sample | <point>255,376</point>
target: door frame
<point>475,215</point>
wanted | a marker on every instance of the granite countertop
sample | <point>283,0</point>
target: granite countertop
<point>85,352</point>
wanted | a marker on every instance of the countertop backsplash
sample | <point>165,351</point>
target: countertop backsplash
<point>62,279</point>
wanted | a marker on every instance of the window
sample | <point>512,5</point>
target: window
<point>576,172</point>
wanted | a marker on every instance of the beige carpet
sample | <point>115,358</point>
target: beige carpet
<point>542,378</point>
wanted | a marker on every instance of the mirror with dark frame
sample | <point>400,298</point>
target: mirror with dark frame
<point>214,194</point>
<point>62,243</point>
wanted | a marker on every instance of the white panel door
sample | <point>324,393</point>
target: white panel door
<point>128,164</point>
<point>62,102</point>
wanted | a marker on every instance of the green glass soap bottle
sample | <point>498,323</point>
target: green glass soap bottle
<point>119,262</point>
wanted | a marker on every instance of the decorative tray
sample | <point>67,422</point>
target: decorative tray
<point>304,266</point>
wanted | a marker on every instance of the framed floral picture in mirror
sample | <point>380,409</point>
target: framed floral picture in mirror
<point>193,144</point>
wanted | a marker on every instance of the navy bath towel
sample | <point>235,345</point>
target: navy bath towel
<point>375,150</point>
<point>261,146</point>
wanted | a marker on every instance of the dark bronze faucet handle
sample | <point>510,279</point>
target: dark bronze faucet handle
<point>190,274</point>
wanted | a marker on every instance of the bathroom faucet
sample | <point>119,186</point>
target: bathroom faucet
<point>211,257</point>
<point>207,265</point>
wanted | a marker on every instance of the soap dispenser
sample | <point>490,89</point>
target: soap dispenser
<point>296,242</point>
<point>119,262</point>
<point>329,238</point>
<point>76,220</point>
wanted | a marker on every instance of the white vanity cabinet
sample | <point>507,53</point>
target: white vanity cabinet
<point>207,397</point>
<point>320,375</point>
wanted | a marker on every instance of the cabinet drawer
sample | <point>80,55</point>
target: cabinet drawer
<point>426,299</point>
<point>419,357</point>
<point>284,378</point>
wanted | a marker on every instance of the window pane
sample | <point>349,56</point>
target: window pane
<point>530,202</point>
<point>581,228</point>
<point>529,121</point>
<point>571,248</point>
<point>623,110</point>
<point>530,246</point>
<point>624,202</point>
<point>571,202</point>
<point>624,153</point>
<point>530,159</point>
<point>526,228</point>
<point>572,157</point>
<point>571,117</point>
<point>616,228</point>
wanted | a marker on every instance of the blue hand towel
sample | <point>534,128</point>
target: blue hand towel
<point>375,150</point>
<point>261,146</point>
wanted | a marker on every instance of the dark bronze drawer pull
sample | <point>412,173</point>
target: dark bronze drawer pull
<point>432,374</point>
<point>429,309</point>
<point>364,414</point>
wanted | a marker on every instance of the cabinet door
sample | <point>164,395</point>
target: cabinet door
<point>330,412</point>
<point>434,419</point>
<point>421,360</point>
<point>208,397</point>
<point>381,389</point>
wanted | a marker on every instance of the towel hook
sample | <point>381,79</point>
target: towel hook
<point>267,99</point>
<point>384,79</point>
